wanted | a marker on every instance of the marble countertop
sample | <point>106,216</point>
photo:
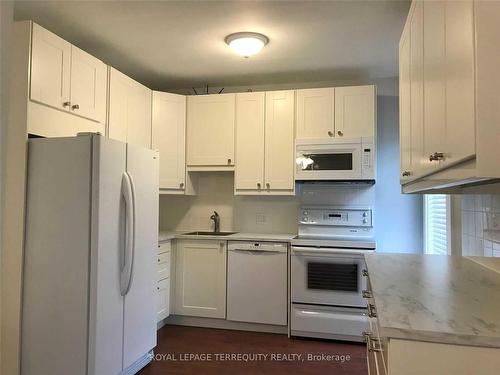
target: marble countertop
<point>435,298</point>
<point>239,236</point>
<point>488,262</point>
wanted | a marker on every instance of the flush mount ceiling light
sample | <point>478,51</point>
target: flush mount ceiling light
<point>246,44</point>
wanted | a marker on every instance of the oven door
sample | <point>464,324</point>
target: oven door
<point>328,162</point>
<point>328,276</point>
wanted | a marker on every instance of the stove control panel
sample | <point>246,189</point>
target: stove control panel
<point>357,217</point>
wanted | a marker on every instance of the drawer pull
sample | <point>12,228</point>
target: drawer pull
<point>436,156</point>
<point>367,294</point>
<point>372,313</point>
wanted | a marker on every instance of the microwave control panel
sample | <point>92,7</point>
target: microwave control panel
<point>336,217</point>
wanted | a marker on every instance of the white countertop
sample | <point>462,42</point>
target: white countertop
<point>436,298</point>
<point>489,262</point>
<point>240,236</point>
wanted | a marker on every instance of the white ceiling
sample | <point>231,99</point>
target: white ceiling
<point>180,44</point>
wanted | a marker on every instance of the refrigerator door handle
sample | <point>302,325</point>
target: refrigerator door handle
<point>128,195</point>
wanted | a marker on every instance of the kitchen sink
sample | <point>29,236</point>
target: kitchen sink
<point>209,233</point>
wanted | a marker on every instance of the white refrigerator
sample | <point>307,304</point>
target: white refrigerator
<point>89,265</point>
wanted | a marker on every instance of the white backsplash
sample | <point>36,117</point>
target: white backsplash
<point>256,214</point>
<point>481,225</point>
<point>272,214</point>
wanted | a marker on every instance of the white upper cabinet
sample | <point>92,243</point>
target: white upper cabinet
<point>169,137</point>
<point>210,131</point>
<point>448,75</point>
<point>67,78</point>
<point>129,110</point>
<point>50,69</point>
<point>355,111</point>
<point>88,85</point>
<point>249,170</point>
<point>315,113</point>
<point>279,141</point>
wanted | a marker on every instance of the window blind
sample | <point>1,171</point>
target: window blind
<point>436,224</point>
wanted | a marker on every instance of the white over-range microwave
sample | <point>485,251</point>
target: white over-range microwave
<point>347,159</point>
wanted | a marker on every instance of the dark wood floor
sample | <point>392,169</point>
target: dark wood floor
<point>177,343</point>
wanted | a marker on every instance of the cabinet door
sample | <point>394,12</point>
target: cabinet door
<point>460,117</point>
<point>169,137</point>
<point>88,85</point>
<point>418,160</point>
<point>50,69</point>
<point>163,299</point>
<point>210,130</point>
<point>315,114</point>
<point>435,80</point>
<point>249,173</point>
<point>404,106</point>
<point>355,111</point>
<point>200,278</point>
<point>279,137</point>
<point>129,110</point>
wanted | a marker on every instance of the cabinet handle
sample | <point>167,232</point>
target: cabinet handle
<point>372,313</point>
<point>268,185</point>
<point>436,156</point>
<point>75,106</point>
<point>66,104</point>
<point>228,161</point>
<point>372,343</point>
<point>406,173</point>
<point>181,184</point>
<point>157,288</point>
<point>330,134</point>
<point>364,272</point>
<point>340,133</point>
<point>367,294</point>
<point>258,185</point>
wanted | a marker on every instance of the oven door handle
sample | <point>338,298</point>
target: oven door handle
<point>328,250</point>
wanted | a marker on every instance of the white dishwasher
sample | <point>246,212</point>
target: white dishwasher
<point>257,282</point>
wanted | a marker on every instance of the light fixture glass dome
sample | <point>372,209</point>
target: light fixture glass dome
<point>246,44</point>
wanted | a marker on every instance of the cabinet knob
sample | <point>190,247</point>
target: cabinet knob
<point>340,133</point>
<point>75,106</point>
<point>66,104</point>
<point>157,288</point>
<point>364,272</point>
<point>159,260</point>
<point>268,185</point>
<point>258,185</point>
<point>181,184</point>
<point>228,161</point>
<point>436,156</point>
<point>406,173</point>
<point>330,134</point>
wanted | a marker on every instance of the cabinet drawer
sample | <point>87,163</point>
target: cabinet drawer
<point>163,266</point>
<point>164,247</point>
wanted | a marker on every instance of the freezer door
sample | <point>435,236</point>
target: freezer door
<point>108,233</point>
<point>140,303</point>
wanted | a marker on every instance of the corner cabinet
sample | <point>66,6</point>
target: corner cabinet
<point>210,132</point>
<point>448,78</point>
<point>169,138</point>
<point>66,78</point>
<point>200,278</point>
<point>264,143</point>
<point>129,110</point>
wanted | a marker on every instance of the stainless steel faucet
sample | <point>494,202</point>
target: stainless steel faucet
<point>216,218</point>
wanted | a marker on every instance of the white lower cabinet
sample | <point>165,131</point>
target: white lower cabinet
<point>163,278</point>
<point>200,278</point>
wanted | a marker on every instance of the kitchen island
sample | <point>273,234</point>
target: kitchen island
<point>432,314</point>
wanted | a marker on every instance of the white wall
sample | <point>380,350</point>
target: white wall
<point>399,220</point>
